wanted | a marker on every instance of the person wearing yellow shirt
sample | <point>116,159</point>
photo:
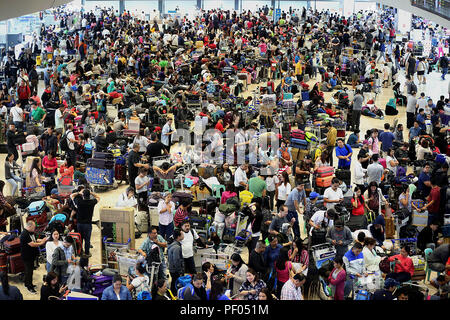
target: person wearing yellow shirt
<point>331,140</point>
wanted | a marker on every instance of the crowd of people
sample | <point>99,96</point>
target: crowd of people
<point>105,72</point>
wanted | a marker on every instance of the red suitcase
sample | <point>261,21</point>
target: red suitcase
<point>298,134</point>
<point>3,262</point>
<point>77,242</point>
<point>324,182</point>
<point>12,247</point>
<point>341,133</point>
<point>323,172</point>
<point>15,264</point>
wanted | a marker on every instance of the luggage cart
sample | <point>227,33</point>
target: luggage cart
<point>111,249</point>
<point>125,261</point>
<point>288,110</point>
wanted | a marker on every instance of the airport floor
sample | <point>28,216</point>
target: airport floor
<point>434,88</point>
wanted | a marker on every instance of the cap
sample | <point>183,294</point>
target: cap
<point>389,282</point>
<point>365,142</point>
<point>339,223</point>
<point>54,191</point>
<point>313,195</point>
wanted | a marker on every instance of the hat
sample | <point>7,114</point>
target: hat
<point>54,191</point>
<point>389,282</point>
<point>313,195</point>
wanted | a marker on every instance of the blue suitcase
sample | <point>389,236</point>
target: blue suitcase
<point>36,208</point>
<point>299,143</point>
<point>102,177</point>
<point>305,95</point>
<point>362,295</point>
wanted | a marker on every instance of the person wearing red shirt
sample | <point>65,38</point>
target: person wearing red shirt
<point>358,202</point>
<point>219,126</point>
<point>24,93</point>
<point>50,165</point>
<point>404,266</point>
<point>433,202</point>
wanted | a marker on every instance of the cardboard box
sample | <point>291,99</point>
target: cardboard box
<point>118,225</point>
<point>302,153</point>
<point>295,153</point>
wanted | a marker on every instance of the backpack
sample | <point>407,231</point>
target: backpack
<point>183,281</point>
<point>144,295</point>
<point>153,256</point>
<point>181,292</point>
<point>63,144</point>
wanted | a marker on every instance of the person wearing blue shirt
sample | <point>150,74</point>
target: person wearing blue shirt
<point>217,291</point>
<point>421,119</point>
<point>344,154</point>
<point>297,196</point>
<point>272,251</point>
<point>353,140</point>
<point>424,183</point>
<point>116,291</point>
<point>414,131</point>
<point>386,137</point>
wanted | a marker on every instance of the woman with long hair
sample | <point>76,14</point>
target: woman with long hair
<point>283,190</point>
<point>337,278</point>
<point>358,202</point>
<point>35,173</point>
<point>299,254</point>
<point>217,291</point>
<point>237,273</point>
<point>251,288</point>
<point>374,198</point>
<point>284,270</point>
<point>265,294</point>
<point>51,287</point>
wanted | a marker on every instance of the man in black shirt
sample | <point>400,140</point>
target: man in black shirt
<point>134,164</point>
<point>155,148</point>
<point>256,259</point>
<point>364,153</point>
<point>29,251</point>
<point>85,210</point>
<point>11,138</point>
<point>401,154</point>
<point>49,141</point>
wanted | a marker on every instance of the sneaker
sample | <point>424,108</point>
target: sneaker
<point>32,290</point>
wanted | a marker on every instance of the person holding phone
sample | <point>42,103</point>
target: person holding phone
<point>52,287</point>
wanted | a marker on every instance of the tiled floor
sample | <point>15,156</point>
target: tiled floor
<point>434,88</point>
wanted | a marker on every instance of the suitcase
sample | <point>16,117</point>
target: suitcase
<point>420,219</point>
<point>3,262</point>
<point>357,222</point>
<point>298,143</point>
<point>154,216</point>
<point>323,172</point>
<point>199,223</point>
<point>15,264</point>
<point>104,155</point>
<point>141,219</point>
<point>40,220</point>
<point>305,95</point>
<point>324,182</point>
<point>180,196</point>
<point>36,208</point>
<point>100,283</point>
<point>100,163</point>
<point>77,242</point>
<point>103,177</point>
<point>341,133</point>
<point>390,227</point>
<point>12,247</point>
<point>298,134</point>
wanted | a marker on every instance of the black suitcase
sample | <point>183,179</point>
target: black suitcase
<point>357,222</point>
<point>198,222</point>
<point>182,196</point>
<point>103,155</point>
<point>100,163</point>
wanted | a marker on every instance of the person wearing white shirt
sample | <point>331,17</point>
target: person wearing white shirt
<point>59,119</point>
<point>142,141</point>
<point>240,177</point>
<point>187,246</point>
<point>421,102</point>
<point>333,194</point>
<point>322,217</point>
<point>50,247</point>
<point>17,113</point>
<point>165,211</point>
<point>127,199</point>
<point>371,258</point>
<point>283,190</point>
<point>359,172</point>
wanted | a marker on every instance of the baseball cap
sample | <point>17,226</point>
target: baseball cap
<point>391,283</point>
<point>313,195</point>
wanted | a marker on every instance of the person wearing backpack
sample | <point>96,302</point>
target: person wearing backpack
<point>195,290</point>
<point>141,282</point>
<point>67,144</point>
<point>175,258</point>
<point>344,153</point>
<point>187,246</point>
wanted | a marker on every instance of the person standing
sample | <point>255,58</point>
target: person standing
<point>344,153</point>
<point>187,246</point>
<point>411,109</point>
<point>29,251</point>
<point>165,209</point>
<point>166,134</point>
<point>443,63</point>
<point>70,136</point>
<point>146,247</point>
<point>141,182</point>
<point>337,278</point>
<point>134,164</point>
<point>175,258</point>
<point>295,198</point>
<point>356,109</point>
<point>84,212</point>
<point>331,140</point>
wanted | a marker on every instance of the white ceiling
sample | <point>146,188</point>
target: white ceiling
<point>17,8</point>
